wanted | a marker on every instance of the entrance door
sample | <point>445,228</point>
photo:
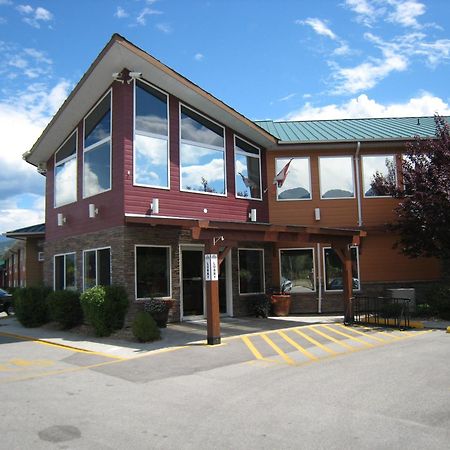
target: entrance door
<point>192,280</point>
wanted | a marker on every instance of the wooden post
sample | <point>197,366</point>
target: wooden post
<point>345,256</point>
<point>212,300</point>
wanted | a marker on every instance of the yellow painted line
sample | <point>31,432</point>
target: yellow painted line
<point>362,334</point>
<point>278,350</point>
<point>252,348</point>
<point>349,336</point>
<point>331,338</point>
<point>297,346</point>
<point>313,341</point>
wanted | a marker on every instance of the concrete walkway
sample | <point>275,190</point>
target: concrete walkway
<point>174,336</point>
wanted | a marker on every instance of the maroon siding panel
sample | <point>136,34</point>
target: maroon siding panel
<point>110,204</point>
<point>175,203</point>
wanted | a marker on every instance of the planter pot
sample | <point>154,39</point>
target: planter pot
<point>281,304</point>
<point>161,318</point>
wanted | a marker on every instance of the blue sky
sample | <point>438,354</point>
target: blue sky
<point>266,58</point>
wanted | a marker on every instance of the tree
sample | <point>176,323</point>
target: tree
<point>423,214</point>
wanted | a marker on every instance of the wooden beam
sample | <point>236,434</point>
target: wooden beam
<point>345,255</point>
<point>212,302</point>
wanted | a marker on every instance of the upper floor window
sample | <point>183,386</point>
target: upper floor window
<point>151,131</point>
<point>336,177</point>
<point>297,270</point>
<point>64,272</point>
<point>66,172</point>
<point>97,267</point>
<point>247,166</point>
<point>377,165</point>
<point>202,154</point>
<point>97,149</point>
<point>297,183</point>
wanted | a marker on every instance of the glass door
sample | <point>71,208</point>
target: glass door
<point>192,282</point>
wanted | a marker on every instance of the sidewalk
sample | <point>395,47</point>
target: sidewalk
<point>176,335</point>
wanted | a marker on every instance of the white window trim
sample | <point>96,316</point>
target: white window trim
<point>96,264</point>
<point>251,155</point>
<point>199,144</point>
<point>314,265</point>
<point>151,135</point>
<point>263,271</point>
<point>65,269</point>
<point>364,175</point>
<point>325,270</point>
<point>169,269</point>
<point>41,256</point>
<point>310,180</point>
<point>97,144</point>
<point>352,166</point>
<point>63,161</point>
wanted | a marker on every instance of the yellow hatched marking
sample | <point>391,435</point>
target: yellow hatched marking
<point>361,333</point>
<point>278,350</point>
<point>384,333</point>
<point>252,348</point>
<point>331,338</point>
<point>349,336</point>
<point>297,346</point>
<point>316,343</point>
<point>21,362</point>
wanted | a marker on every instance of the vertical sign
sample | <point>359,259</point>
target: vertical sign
<point>207,267</point>
<point>214,267</point>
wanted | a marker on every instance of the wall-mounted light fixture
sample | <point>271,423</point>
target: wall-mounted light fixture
<point>93,211</point>
<point>117,76</point>
<point>154,206</point>
<point>134,76</point>
<point>61,220</point>
<point>317,213</point>
<point>252,215</point>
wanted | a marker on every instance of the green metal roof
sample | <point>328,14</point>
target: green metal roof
<point>311,131</point>
<point>27,231</point>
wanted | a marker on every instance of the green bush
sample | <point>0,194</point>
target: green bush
<point>144,327</point>
<point>30,306</point>
<point>104,307</point>
<point>439,301</point>
<point>64,307</point>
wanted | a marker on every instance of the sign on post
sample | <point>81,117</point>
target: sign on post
<point>211,267</point>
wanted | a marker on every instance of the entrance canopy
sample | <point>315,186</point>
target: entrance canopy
<point>219,237</point>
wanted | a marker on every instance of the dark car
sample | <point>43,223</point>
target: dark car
<point>6,302</point>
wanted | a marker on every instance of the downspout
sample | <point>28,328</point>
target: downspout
<point>358,184</point>
<point>319,279</point>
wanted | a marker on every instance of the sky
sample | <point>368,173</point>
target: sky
<point>268,59</point>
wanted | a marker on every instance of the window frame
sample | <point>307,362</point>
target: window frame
<point>151,135</point>
<point>394,157</point>
<point>325,270</point>
<point>314,266</point>
<point>308,158</point>
<point>96,250</point>
<point>241,152</point>
<point>211,147</point>
<point>263,271</point>
<point>169,268</point>
<point>99,143</point>
<point>65,270</point>
<point>352,165</point>
<point>56,164</point>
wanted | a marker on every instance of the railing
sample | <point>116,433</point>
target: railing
<point>383,311</point>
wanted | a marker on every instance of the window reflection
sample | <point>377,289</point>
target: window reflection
<point>247,166</point>
<point>336,177</point>
<point>297,185</point>
<point>373,165</point>
<point>66,172</point>
<point>334,269</point>
<point>152,272</point>
<point>297,270</point>
<point>251,271</point>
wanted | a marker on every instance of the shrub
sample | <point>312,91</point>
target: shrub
<point>144,327</point>
<point>439,300</point>
<point>30,306</point>
<point>104,307</point>
<point>64,307</point>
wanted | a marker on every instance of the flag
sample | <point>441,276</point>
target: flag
<point>248,183</point>
<point>280,177</point>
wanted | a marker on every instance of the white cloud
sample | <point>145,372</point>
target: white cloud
<point>33,17</point>
<point>319,26</point>
<point>199,56</point>
<point>164,27</point>
<point>406,12</point>
<point>287,97</point>
<point>366,12</point>
<point>121,13</point>
<point>142,17</point>
<point>426,104</point>
<point>13,216</point>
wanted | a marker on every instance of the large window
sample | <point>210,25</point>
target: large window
<point>97,149</point>
<point>333,270</point>
<point>247,167</point>
<point>336,177</point>
<point>377,165</point>
<point>64,272</point>
<point>97,267</point>
<point>297,270</point>
<point>66,172</point>
<point>151,132</point>
<point>152,272</point>
<point>297,185</point>
<point>202,154</point>
<point>251,271</point>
